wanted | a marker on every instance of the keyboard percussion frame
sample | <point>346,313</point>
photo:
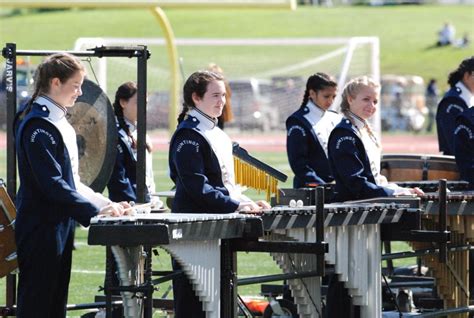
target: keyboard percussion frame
<point>197,241</point>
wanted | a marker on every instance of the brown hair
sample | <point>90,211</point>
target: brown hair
<point>227,114</point>
<point>124,92</point>
<point>196,84</point>
<point>59,65</point>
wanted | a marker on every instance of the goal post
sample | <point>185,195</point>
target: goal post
<point>274,70</point>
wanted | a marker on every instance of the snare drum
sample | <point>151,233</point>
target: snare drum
<point>8,261</point>
<point>408,167</point>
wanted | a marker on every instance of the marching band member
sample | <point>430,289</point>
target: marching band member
<point>201,165</point>
<point>51,195</point>
<point>464,145</point>
<point>354,152</point>
<point>308,131</point>
<point>464,153</point>
<point>122,184</point>
<point>354,155</point>
<point>455,101</point>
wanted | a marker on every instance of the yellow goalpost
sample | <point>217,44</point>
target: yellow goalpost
<point>155,6</point>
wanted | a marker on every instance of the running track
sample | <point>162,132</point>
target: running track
<point>275,142</point>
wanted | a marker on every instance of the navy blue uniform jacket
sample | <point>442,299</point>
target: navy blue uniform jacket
<point>195,170</point>
<point>464,145</point>
<point>47,200</point>
<point>305,154</point>
<point>122,184</point>
<point>449,108</point>
<point>351,166</point>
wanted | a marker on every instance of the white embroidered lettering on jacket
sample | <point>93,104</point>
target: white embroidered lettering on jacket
<point>345,138</point>
<point>467,129</point>
<point>451,106</point>
<point>296,127</point>
<point>42,131</point>
<point>188,142</point>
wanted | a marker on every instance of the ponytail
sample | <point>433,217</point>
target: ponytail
<point>317,82</point>
<point>124,92</point>
<point>196,84</point>
<point>457,75</point>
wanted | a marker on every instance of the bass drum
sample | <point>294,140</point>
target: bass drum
<point>408,167</point>
<point>94,122</point>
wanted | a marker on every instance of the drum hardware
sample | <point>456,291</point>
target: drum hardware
<point>412,167</point>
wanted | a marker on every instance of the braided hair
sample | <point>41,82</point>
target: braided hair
<point>59,65</point>
<point>466,66</point>
<point>124,92</point>
<point>196,84</point>
<point>317,82</point>
<point>352,88</point>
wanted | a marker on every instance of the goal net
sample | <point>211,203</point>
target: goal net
<point>267,75</point>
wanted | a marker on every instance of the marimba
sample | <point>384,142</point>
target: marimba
<point>453,277</point>
<point>352,231</point>
<point>194,240</point>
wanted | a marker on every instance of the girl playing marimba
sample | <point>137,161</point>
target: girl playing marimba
<point>202,167</point>
<point>308,131</point>
<point>51,195</point>
<point>354,152</point>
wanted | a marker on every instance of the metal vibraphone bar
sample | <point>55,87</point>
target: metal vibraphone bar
<point>352,232</point>
<point>293,255</point>
<point>194,240</point>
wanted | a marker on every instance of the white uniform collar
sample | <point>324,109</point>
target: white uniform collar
<point>56,112</point>
<point>205,121</point>
<point>466,94</point>
<point>315,112</point>
<point>131,126</point>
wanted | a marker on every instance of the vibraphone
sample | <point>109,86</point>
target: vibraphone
<point>352,231</point>
<point>194,240</point>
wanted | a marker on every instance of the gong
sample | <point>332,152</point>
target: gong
<point>94,122</point>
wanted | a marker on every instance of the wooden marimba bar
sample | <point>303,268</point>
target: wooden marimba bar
<point>194,240</point>
<point>452,277</point>
<point>352,232</point>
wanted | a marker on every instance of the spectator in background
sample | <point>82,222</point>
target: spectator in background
<point>463,42</point>
<point>227,114</point>
<point>446,35</point>
<point>455,101</point>
<point>431,102</point>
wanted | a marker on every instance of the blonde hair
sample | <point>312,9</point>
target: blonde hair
<point>351,89</point>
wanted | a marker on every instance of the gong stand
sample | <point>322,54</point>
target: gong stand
<point>10,53</point>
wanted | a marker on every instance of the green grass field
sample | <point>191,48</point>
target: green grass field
<point>406,34</point>
<point>89,261</point>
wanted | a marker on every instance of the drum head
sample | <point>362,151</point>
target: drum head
<point>94,121</point>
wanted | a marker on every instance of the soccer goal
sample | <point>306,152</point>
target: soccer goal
<point>267,75</point>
